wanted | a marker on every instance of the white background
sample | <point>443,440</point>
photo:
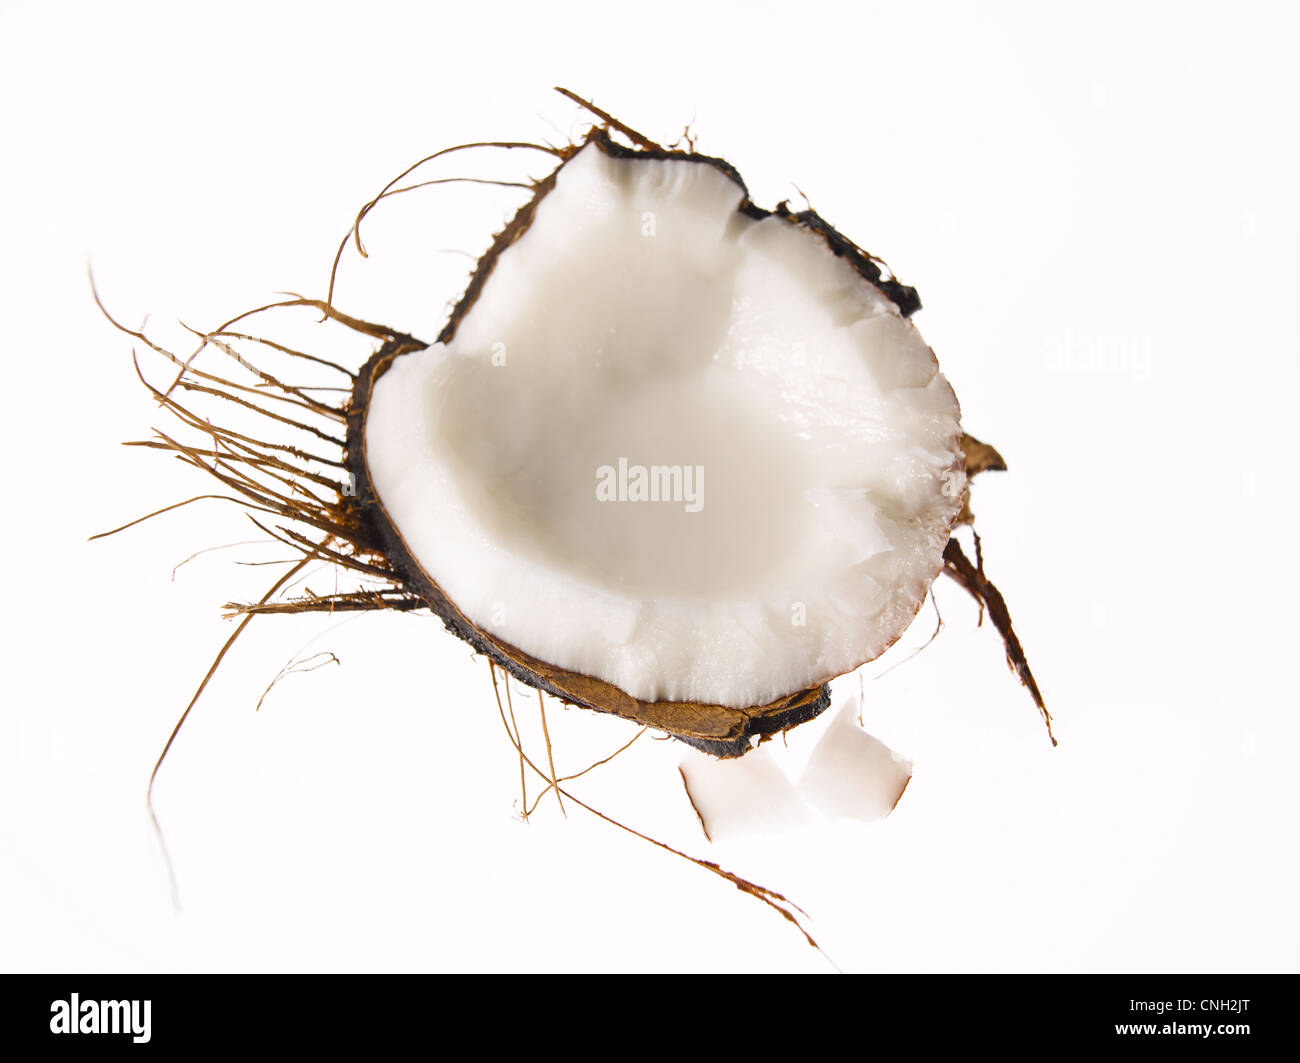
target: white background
<point>1097,204</point>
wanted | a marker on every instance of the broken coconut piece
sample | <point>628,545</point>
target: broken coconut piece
<point>736,798</point>
<point>851,773</point>
<point>673,457</point>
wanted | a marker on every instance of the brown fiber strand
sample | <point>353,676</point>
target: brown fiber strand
<point>518,740</point>
<point>231,462</point>
<point>610,121</point>
<point>297,541</point>
<point>293,483</point>
<point>262,494</point>
<point>694,807</point>
<point>265,498</point>
<point>309,508</point>
<point>171,738</point>
<point>295,667</point>
<point>604,760</point>
<point>247,458</point>
<point>354,601</point>
<point>203,389</point>
<point>290,395</point>
<point>550,758</point>
<point>241,451</point>
<point>354,233</point>
<point>455,180</point>
<point>972,578</point>
<point>167,509</point>
<point>212,550</point>
<point>589,767</point>
<point>225,333</point>
<point>771,898</point>
<point>188,418</point>
<point>228,436</point>
<point>341,558</point>
<point>321,387</point>
<point>292,299</point>
<point>938,627</point>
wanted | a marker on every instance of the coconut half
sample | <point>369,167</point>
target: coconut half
<point>673,457</point>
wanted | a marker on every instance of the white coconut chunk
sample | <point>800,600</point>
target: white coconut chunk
<point>852,774</point>
<point>796,446</point>
<point>742,797</point>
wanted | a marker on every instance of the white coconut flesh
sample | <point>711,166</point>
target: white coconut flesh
<point>743,796</point>
<point>645,340</point>
<point>850,775</point>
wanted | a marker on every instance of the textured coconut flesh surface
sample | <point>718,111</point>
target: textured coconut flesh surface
<point>645,340</point>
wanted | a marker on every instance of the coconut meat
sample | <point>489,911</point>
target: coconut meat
<point>744,796</point>
<point>684,450</point>
<point>850,775</point>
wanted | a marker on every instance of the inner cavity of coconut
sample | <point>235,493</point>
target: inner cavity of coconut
<point>686,451</point>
